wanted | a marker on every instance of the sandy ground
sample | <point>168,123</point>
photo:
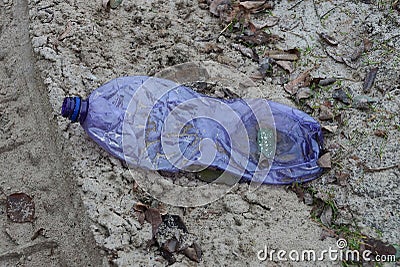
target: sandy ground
<point>84,197</point>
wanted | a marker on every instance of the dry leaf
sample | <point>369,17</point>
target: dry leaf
<point>301,81</point>
<point>256,6</point>
<point>140,207</point>
<point>266,22</point>
<point>381,133</point>
<point>20,208</point>
<point>367,45</point>
<point>291,55</point>
<point>325,113</point>
<point>193,252</point>
<point>39,232</point>
<point>325,81</point>
<point>377,247</point>
<point>342,96</point>
<point>153,216</point>
<point>286,65</point>
<point>369,80</point>
<point>260,38</point>
<point>328,128</point>
<point>328,39</point>
<point>325,161</point>
<point>303,93</point>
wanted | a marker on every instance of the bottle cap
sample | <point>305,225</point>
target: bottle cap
<point>74,108</point>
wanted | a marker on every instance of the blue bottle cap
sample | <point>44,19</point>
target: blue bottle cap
<point>74,108</point>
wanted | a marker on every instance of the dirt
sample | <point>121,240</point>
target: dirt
<point>32,161</point>
<point>84,197</point>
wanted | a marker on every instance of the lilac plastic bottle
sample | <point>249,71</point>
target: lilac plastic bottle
<point>299,137</point>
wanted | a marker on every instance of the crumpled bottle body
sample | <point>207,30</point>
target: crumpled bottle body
<point>236,149</point>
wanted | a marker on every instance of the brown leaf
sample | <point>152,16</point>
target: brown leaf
<point>260,38</point>
<point>63,35</point>
<point>325,113</point>
<point>329,128</point>
<point>377,247</point>
<point>302,80</point>
<point>140,207</point>
<point>342,95</point>
<point>286,65</point>
<point>153,216</point>
<point>266,22</point>
<point>325,161</point>
<point>328,39</point>
<point>369,80</point>
<point>381,133</point>
<point>318,207</point>
<point>141,217</point>
<point>193,252</point>
<point>168,256</point>
<point>303,93</point>
<point>325,81</point>
<point>256,6</point>
<point>291,55</point>
<point>20,208</point>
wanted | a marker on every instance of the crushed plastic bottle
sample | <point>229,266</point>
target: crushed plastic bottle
<point>134,119</point>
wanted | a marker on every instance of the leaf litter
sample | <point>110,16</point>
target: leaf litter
<point>302,80</point>
<point>369,80</point>
<point>169,233</point>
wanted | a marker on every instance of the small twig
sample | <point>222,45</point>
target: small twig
<point>369,169</point>
<point>296,4</point>
<point>327,12</point>
<point>226,27</point>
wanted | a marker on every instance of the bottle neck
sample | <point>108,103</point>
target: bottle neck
<point>75,108</point>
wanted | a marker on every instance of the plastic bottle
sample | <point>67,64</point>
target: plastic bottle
<point>111,116</point>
